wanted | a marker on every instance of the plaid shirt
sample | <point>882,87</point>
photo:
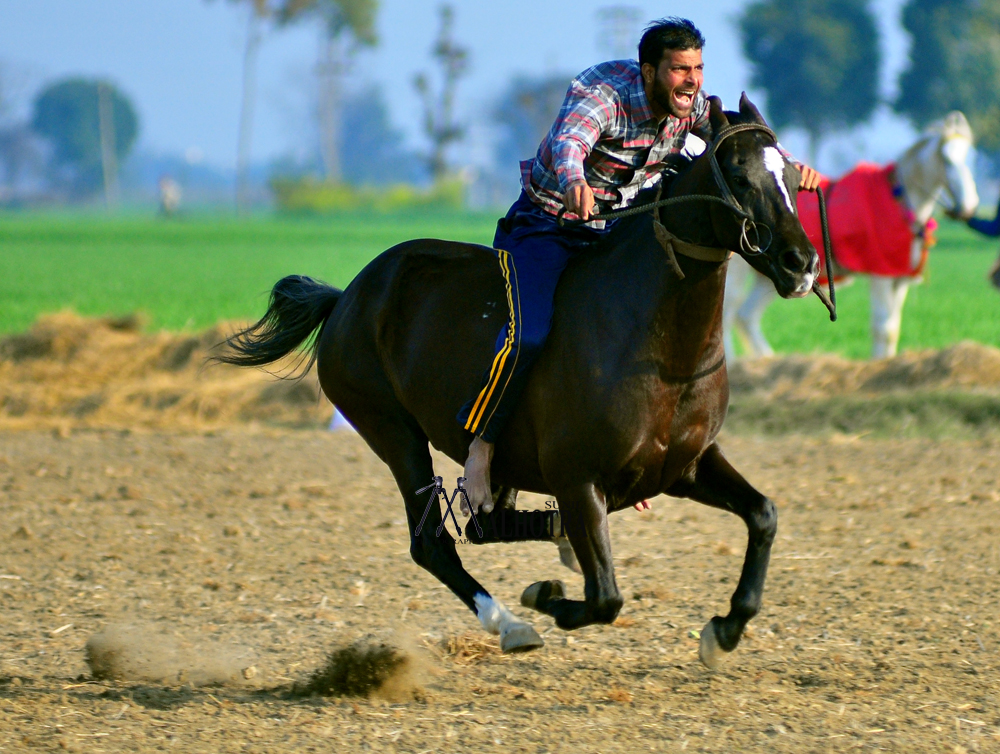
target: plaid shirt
<point>606,134</point>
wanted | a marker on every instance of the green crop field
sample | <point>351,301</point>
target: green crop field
<point>193,272</point>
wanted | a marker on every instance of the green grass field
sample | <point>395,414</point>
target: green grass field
<point>190,273</point>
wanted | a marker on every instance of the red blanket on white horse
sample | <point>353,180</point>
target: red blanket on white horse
<point>870,229</point>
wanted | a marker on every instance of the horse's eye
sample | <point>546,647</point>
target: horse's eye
<point>741,181</point>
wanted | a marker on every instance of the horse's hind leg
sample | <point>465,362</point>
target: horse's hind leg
<point>718,484</point>
<point>585,518</point>
<point>403,446</point>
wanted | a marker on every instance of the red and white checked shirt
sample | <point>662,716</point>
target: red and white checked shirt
<point>606,134</point>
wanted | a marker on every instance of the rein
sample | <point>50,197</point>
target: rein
<point>672,244</point>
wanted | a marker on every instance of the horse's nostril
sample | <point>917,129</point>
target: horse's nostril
<point>794,260</point>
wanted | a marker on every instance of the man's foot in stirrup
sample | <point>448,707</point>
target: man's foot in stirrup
<point>477,474</point>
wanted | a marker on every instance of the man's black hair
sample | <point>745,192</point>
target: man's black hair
<point>668,34</point>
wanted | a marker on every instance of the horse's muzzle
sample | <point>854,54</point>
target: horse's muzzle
<point>797,269</point>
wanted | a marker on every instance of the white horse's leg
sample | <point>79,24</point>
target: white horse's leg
<point>736,291</point>
<point>751,314</point>
<point>887,298</point>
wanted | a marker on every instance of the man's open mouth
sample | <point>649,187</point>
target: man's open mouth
<point>684,98</point>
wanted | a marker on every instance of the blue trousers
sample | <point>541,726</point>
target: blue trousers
<point>533,251</point>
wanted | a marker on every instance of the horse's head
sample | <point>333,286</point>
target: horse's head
<point>754,173</point>
<point>936,167</point>
<point>954,144</point>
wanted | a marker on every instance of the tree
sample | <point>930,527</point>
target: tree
<point>439,121</point>
<point>817,60</point>
<point>91,127</point>
<point>375,155</point>
<point>954,65</point>
<point>526,112</point>
<point>347,26</point>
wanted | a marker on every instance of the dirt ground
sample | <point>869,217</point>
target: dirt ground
<point>219,544</point>
<point>273,547</point>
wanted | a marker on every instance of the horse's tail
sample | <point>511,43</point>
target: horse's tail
<point>298,306</point>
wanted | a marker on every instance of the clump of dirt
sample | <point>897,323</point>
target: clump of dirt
<point>74,372</point>
<point>365,669</point>
<point>965,366</point>
<point>138,653</point>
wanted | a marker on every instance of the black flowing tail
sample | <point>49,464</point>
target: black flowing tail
<point>298,306</point>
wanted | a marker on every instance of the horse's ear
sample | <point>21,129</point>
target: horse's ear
<point>749,110</point>
<point>716,116</point>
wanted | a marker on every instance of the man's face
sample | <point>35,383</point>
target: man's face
<point>672,87</point>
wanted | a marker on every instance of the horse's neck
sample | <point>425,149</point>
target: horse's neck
<point>692,221</point>
<point>922,175</point>
<point>683,318</point>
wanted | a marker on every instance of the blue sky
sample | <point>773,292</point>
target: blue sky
<point>180,61</point>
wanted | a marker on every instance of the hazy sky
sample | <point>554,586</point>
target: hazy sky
<point>180,62</point>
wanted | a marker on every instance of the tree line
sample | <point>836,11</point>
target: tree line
<point>817,61</point>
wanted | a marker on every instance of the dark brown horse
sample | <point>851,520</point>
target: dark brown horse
<point>624,404</point>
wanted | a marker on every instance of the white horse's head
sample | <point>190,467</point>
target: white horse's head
<point>936,167</point>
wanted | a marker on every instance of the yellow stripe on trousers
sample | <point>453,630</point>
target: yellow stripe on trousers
<point>496,370</point>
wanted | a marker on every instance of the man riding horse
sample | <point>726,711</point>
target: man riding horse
<point>619,128</point>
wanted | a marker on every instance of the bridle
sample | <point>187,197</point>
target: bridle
<point>748,248</point>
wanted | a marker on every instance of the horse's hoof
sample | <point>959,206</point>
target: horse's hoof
<point>519,637</point>
<point>536,595</point>
<point>709,651</point>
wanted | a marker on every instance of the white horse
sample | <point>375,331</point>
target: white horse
<point>933,167</point>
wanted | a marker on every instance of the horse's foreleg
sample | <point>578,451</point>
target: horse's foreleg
<point>404,448</point>
<point>585,518</point>
<point>887,298</point>
<point>718,484</point>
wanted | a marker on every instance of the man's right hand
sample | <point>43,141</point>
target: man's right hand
<point>579,199</point>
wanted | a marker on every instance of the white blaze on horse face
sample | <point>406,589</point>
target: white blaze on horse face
<point>774,161</point>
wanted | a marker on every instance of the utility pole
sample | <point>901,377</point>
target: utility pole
<point>109,155</point>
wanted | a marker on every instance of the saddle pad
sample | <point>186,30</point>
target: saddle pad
<point>868,228</point>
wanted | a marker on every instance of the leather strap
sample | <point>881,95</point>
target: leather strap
<point>673,245</point>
